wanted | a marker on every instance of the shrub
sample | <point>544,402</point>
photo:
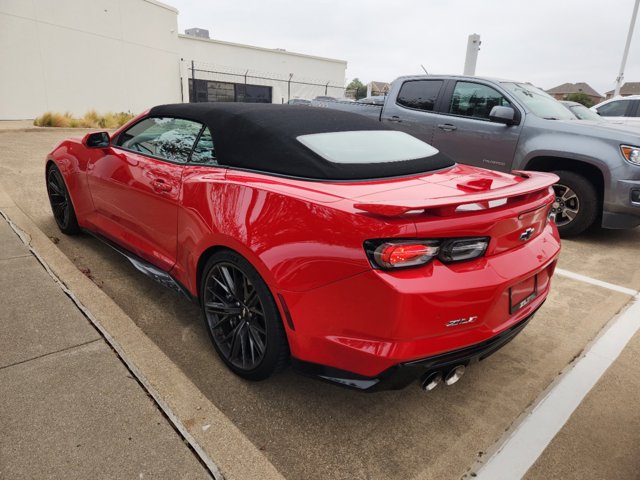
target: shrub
<point>91,119</point>
<point>580,97</point>
<point>50,119</point>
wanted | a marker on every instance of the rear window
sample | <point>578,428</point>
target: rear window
<point>419,94</point>
<point>367,146</point>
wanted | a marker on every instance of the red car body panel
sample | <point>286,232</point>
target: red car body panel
<point>405,314</point>
<point>305,238</point>
<point>135,200</point>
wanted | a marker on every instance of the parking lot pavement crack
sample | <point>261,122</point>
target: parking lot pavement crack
<point>48,354</point>
<point>13,257</point>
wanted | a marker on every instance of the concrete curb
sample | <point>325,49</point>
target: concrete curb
<point>219,443</point>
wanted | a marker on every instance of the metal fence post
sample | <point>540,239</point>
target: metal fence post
<point>326,88</point>
<point>192,93</point>
<point>289,88</point>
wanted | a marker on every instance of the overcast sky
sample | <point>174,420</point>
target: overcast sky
<point>546,42</point>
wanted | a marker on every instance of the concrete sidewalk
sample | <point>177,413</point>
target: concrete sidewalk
<point>69,408</point>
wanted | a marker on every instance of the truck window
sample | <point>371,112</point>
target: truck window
<point>419,94</point>
<point>475,100</point>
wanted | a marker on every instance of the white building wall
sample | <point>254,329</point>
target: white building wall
<point>71,55</point>
<point>234,60</point>
<point>125,55</point>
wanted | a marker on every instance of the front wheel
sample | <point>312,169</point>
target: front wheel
<point>60,201</point>
<point>242,318</point>
<point>576,203</point>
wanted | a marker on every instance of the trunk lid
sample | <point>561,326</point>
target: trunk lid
<point>465,201</point>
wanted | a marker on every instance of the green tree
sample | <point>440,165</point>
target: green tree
<point>359,89</point>
<point>580,97</point>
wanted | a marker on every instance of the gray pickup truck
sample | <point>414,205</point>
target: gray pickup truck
<point>506,125</point>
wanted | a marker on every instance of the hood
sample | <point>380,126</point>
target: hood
<point>623,133</point>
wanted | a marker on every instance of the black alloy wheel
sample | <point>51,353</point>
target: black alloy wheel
<point>241,317</point>
<point>576,204</point>
<point>61,205</point>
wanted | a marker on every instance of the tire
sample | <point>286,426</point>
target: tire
<point>60,200</point>
<point>577,204</point>
<point>242,318</point>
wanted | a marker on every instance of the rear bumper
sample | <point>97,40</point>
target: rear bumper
<point>402,374</point>
<point>371,322</point>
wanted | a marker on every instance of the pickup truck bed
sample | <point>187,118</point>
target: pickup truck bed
<point>366,109</point>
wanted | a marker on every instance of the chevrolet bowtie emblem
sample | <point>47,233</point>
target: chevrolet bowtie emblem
<point>526,235</point>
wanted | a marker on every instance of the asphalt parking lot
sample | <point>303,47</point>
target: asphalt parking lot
<point>312,430</point>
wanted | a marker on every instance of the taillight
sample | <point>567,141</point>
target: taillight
<point>405,254</point>
<point>461,249</point>
<point>390,254</point>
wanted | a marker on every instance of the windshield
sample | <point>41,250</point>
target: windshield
<point>583,113</point>
<point>367,146</point>
<point>540,103</point>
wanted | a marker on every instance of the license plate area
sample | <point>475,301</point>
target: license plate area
<point>521,294</point>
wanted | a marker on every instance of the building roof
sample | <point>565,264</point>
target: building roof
<point>264,138</point>
<point>569,88</point>
<point>380,86</point>
<point>629,88</point>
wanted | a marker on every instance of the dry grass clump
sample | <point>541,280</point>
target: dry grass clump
<point>91,119</point>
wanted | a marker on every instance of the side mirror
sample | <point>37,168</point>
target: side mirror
<point>504,115</point>
<point>96,140</point>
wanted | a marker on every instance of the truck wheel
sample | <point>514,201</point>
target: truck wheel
<point>576,205</point>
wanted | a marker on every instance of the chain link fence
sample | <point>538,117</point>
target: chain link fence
<point>216,83</point>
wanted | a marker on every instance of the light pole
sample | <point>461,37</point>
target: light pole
<point>626,49</point>
<point>473,46</point>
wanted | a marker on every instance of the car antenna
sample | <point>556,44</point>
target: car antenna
<point>425,70</point>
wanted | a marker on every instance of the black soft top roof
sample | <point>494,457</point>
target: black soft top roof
<point>263,137</point>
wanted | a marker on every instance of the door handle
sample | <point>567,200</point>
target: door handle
<point>395,119</point>
<point>447,127</point>
<point>160,185</point>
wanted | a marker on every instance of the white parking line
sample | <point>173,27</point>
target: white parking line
<point>526,441</point>
<point>594,281</point>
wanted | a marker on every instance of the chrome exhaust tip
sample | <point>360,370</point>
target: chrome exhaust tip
<point>431,381</point>
<point>454,375</point>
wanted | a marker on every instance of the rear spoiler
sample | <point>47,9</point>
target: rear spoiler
<point>532,182</point>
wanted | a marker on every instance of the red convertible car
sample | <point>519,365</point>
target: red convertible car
<point>354,251</point>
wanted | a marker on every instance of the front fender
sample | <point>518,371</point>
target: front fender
<point>71,158</point>
<point>568,145</point>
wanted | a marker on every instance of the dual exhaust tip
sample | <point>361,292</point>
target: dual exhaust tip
<point>449,377</point>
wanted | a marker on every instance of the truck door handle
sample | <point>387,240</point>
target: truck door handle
<point>160,185</point>
<point>395,119</point>
<point>447,127</point>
